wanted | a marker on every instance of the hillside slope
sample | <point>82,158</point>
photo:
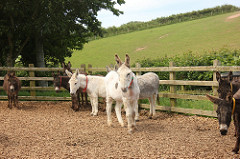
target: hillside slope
<point>199,36</point>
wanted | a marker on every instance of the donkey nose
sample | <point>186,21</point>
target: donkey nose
<point>223,132</point>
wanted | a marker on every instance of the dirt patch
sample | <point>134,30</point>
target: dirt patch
<point>233,16</point>
<point>53,130</point>
<point>163,36</point>
<point>140,49</point>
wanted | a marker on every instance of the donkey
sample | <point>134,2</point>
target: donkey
<point>62,81</point>
<point>129,89</point>
<point>83,94</point>
<point>93,85</point>
<point>226,108</point>
<point>148,85</point>
<point>12,85</point>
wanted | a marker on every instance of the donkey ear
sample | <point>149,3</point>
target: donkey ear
<point>118,60</point>
<point>218,76</point>
<point>77,72</point>
<point>69,64</point>
<point>63,65</point>
<point>127,61</point>
<point>108,69</point>
<point>215,100</point>
<point>69,74</point>
<point>230,76</point>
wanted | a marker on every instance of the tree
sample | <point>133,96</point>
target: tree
<point>48,29</point>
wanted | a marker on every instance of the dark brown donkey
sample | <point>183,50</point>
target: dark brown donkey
<point>12,85</point>
<point>228,105</point>
<point>62,81</point>
<point>226,108</point>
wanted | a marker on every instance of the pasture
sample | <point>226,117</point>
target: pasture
<point>54,130</point>
<point>199,36</point>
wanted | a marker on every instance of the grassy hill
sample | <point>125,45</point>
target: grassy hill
<point>199,36</point>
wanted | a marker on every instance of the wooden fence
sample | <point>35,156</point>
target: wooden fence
<point>172,82</point>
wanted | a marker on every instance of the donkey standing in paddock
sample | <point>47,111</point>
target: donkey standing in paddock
<point>226,108</point>
<point>69,70</point>
<point>148,85</point>
<point>93,85</point>
<point>127,83</point>
<point>12,85</point>
<point>62,81</point>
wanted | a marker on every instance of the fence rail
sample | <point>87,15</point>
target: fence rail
<point>173,82</point>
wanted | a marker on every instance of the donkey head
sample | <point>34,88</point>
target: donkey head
<point>125,73</point>
<point>57,81</point>
<point>224,112</point>
<point>74,83</point>
<point>12,82</point>
<point>224,85</point>
<point>67,67</point>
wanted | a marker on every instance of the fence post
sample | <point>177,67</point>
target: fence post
<point>32,83</point>
<point>214,88</point>
<point>138,66</point>
<point>172,76</point>
<point>83,67</point>
<point>89,68</point>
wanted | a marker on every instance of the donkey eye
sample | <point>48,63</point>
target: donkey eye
<point>75,83</point>
<point>128,74</point>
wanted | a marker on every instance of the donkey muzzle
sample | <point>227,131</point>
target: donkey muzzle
<point>11,88</point>
<point>223,129</point>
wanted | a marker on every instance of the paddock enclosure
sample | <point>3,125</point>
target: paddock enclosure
<point>46,126</point>
<point>52,130</point>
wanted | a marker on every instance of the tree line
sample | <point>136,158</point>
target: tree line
<point>137,26</point>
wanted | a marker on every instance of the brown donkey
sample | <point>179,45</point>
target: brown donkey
<point>12,86</point>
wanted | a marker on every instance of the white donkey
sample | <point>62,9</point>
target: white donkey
<point>93,85</point>
<point>148,85</point>
<point>122,83</point>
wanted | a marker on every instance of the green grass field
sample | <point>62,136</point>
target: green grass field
<point>199,36</point>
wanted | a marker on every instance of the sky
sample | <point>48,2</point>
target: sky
<point>147,10</point>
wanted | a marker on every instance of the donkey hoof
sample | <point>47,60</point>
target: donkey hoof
<point>130,131</point>
<point>234,151</point>
<point>109,123</point>
<point>149,117</point>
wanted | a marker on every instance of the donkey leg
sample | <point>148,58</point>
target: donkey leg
<point>237,130</point>
<point>129,115</point>
<point>10,101</point>
<point>95,106</point>
<point>86,98</point>
<point>135,104</point>
<point>91,101</point>
<point>118,113</point>
<point>109,111</point>
<point>16,101</point>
